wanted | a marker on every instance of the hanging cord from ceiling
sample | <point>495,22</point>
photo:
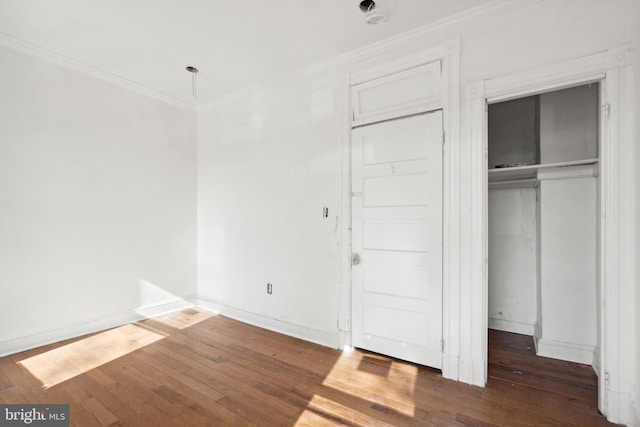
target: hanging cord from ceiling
<point>194,73</point>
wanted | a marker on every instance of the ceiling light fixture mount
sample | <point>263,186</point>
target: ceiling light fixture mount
<point>367,5</point>
<point>374,15</point>
<point>193,70</point>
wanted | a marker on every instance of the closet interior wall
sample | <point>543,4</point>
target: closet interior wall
<point>543,230</point>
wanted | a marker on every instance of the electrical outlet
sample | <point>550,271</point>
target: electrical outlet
<point>269,288</point>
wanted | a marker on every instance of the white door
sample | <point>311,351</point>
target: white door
<point>397,238</point>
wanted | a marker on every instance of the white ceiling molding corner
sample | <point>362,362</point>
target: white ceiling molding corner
<point>236,46</point>
<point>390,46</point>
<point>47,55</point>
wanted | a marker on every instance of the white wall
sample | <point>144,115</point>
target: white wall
<point>268,164</point>
<point>636,46</point>
<point>569,124</point>
<point>254,163</point>
<point>539,34</point>
<point>97,201</point>
<point>264,175</point>
<point>568,329</point>
<point>514,132</point>
<point>568,130</point>
<point>512,259</point>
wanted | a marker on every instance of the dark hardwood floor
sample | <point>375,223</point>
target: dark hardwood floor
<point>193,368</point>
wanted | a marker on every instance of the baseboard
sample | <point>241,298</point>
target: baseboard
<point>595,365</point>
<point>326,338</point>
<point>472,371</point>
<point>16,344</point>
<point>565,351</point>
<point>622,409</point>
<point>635,413</point>
<point>153,310</point>
<point>450,366</point>
<point>509,326</point>
<point>537,335</point>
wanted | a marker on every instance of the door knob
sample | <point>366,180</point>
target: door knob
<point>355,259</point>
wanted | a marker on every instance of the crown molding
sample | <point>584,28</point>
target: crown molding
<point>391,45</point>
<point>407,37</point>
<point>50,56</point>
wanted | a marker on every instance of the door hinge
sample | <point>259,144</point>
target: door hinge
<point>442,138</point>
<point>606,110</point>
<point>442,345</point>
<point>606,379</point>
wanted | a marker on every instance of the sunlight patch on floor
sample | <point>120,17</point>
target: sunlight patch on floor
<point>183,319</point>
<point>323,411</point>
<point>390,384</point>
<point>68,361</point>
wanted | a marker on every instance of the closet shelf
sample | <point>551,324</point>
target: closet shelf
<point>528,174</point>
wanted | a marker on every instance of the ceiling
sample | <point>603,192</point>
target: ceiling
<point>233,43</point>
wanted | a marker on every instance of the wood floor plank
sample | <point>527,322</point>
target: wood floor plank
<point>104,416</point>
<point>194,368</point>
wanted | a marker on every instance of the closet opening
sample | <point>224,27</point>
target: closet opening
<point>543,226</point>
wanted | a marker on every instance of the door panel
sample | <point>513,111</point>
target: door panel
<point>385,148</point>
<point>398,190</point>
<point>407,327</point>
<point>408,271</point>
<point>397,232</point>
<point>395,235</point>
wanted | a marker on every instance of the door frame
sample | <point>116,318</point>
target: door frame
<point>613,69</point>
<point>449,55</point>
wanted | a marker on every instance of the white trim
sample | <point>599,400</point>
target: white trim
<point>565,351</point>
<point>346,60</point>
<point>567,172</point>
<point>395,108</point>
<point>424,57</point>
<point>595,364</point>
<point>510,326</point>
<point>153,310</point>
<point>450,81</point>
<point>12,345</point>
<point>554,77</point>
<point>635,413</point>
<point>451,215</point>
<point>15,344</point>
<point>326,338</point>
<point>620,57</point>
<point>392,44</point>
<point>537,334</point>
<point>50,56</point>
<point>385,50</point>
<point>617,226</point>
<point>600,296</point>
<point>344,285</point>
<point>621,404</point>
<point>479,190</point>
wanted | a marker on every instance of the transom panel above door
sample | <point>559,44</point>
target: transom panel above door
<point>398,94</point>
